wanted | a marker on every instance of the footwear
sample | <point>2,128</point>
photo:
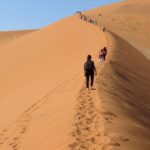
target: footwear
<point>93,88</point>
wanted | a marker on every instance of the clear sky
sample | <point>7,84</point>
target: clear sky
<point>31,14</point>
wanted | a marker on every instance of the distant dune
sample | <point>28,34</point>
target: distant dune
<point>44,104</point>
<point>130,20</point>
<point>7,37</point>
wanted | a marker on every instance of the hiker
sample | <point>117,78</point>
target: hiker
<point>105,52</point>
<point>102,55</point>
<point>89,70</point>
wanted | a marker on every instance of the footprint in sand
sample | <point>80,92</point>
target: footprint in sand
<point>124,139</point>
<point>116,144</point>
<point>109,116</point>
<point>85,134</point>
<point>105,147</point>
<point>14,146</point>
<point>73,145</point>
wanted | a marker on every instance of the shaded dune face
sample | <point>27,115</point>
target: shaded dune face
<point>125,84</point>
<point>125,78</point>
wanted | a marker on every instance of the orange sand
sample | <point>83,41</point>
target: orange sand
<point>44,103</point>
<point>7,37</point>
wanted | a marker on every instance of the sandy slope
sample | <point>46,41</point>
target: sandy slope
<point>130,20</point>
<point>7,37</point>
<point>124,82</point>
<point>116,117</point>
<point>46,62</point>
<point>124,85</point>
<point>44,104</point>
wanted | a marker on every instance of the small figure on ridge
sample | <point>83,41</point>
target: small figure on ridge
<point>102,55</point>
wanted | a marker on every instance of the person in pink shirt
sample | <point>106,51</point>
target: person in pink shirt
<point>102,55</point>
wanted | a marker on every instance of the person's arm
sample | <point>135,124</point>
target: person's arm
<point>84,70</point>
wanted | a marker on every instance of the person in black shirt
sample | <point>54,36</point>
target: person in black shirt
<point>89,70</point>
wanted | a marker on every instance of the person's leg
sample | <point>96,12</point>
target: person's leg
<point>87,80</point>
<point>101,60</point>
<point>92,78</point>
<point>104,57</point>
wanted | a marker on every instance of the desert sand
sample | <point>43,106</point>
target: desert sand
<point>44,104</point>
<point>6,37</point>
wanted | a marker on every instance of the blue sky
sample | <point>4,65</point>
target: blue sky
<point>31,14</point>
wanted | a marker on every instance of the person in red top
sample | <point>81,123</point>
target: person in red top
<point>102,55</point>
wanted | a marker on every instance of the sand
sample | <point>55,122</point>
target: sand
<point>130,20</point>
<point>6,37</point>
<point>44,102</point>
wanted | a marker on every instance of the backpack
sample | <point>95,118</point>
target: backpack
<point>88,66</point>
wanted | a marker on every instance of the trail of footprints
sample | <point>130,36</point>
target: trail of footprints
<point>88,132</point>
<point>11,136</point>
<point>87,126</point>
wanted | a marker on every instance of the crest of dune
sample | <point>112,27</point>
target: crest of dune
<point>44,104</point>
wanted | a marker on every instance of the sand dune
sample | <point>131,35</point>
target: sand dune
<point>124,85</point>
<point>129,19</point>
<point>39,64</point>
<point>7,37</point>
<point>118,116</point>
<point>44,103</point>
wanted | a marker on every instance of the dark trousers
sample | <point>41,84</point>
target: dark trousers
<point>89,77</point>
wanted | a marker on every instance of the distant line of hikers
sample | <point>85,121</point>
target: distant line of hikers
<point>89,65</point>
<point>86,18</point>
<point>90,69</point>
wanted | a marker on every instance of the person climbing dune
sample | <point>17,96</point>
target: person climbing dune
<point>105,52</point>
<point>90,71</point>
<point>102,55</point>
